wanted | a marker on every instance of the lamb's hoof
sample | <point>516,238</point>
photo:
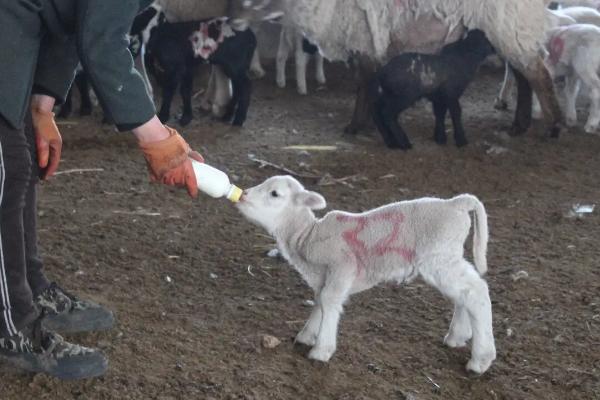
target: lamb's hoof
<point>302,91</point>
<point>461,142</point>
<point>164,118</point>
<point>398,146</point>
<point>500,105</point>
<point>516,130</point>
<point>322,354</point>
<point>85,112</point>
<point>441,140</point>
<point>281,84</point>
<point>571,122</point>
<point>590,128</point>
<point>480,365</point>
<point>455,343</point>
<point>307,339</point>
<point>257,73</point>
<point>185,120</point>
<point>353,128</point>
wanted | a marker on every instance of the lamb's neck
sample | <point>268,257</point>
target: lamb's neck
<point>294,231</point>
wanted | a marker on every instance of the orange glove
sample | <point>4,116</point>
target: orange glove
<point>169,162</point>
<point>48,142</point>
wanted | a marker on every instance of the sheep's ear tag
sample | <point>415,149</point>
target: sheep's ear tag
<point>313,200</point>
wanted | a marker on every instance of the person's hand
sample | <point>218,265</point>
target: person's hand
<point>48,141</point>
<point>169,161</point>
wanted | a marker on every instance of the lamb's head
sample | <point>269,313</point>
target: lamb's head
<point>256,10</point>
<point>209,35</point>
<point>275,200</point>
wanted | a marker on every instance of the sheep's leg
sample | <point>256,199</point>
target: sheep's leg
<point>83,85</point>
<point>543,86</point>
<point>243,100</point>
<point>255,66</point>
<point>362,110</point>
<point>320,68</point>
<point>282,55</point>
<point>522,120</point>
<point>170,87</point>
<point>462,284</point>
<point>301,60</point>
<point>456,115</point>
<point>460,328</point>
<point>572,86</point>
<point>144,72</point>
<point>308,334</point>
<point>331,300</point>
<point>501,102</point>
<point>439,110</point>
<point>187,84</point>
<point>536,107</point>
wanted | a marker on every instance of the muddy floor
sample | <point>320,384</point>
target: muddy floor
<point>194,292</point>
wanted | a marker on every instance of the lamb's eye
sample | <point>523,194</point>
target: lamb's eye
<point>274,193</point>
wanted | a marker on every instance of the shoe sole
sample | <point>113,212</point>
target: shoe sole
<point>79,322</point>
<point>70,368</point>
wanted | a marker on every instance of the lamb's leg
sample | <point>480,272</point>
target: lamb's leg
<point>144,72</point>
<point>331,300</point>
<point>301,61</point>
<point>572,86</point>
<point>456,115</point>
<point>501,102</point>
<point>255,66</point>
<point>67,106</point>
<point>460,328</point>
<point>223,91</point>
<point>462,284</point>
<point>386,117</point>
<point>592,82</point>
<point>522,120</point>
<point>536,108</point>
<point>245,90</point>
<point>362,110</point>
<point>542,84</point>
<point>320,69</point>
<point>233,103</point>
<point>282,55</point>
<point>308,334</point>
<point>168,91</point>
<point>439,110</point>
<point>83,85</point>
<point>187,85</point>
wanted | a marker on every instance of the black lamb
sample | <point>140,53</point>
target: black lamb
<point>442,78</point>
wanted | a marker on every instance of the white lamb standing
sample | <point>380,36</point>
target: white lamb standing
<point>343,253</point>
<point>291,39</point>
<point>574,52</point>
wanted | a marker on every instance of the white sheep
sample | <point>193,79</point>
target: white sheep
<point>343,253</point>
<point>375,31</point>
<point>574,52</point>
<point>291,39</point>
<point>579,3</point>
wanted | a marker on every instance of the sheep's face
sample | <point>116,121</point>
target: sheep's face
<point>269,203</point>
<point>256,10</point>
<point>209,35</point>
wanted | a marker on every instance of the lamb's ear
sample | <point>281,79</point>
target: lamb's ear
<point>312,200</point>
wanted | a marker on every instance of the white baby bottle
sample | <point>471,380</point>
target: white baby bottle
<point>215,183</point>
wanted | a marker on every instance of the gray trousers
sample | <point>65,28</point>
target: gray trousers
<point>21,275</point>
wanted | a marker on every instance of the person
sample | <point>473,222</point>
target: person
<point>42,41</point>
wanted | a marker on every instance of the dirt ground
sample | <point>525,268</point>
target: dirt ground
<point>194,292</point>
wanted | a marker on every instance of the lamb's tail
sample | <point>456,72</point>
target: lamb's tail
<point>480,230</point>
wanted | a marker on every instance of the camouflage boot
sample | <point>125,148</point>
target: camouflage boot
<point>66,313</point>
<point>35,350</point>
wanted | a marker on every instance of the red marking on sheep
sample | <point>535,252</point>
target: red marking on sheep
<point>383,246</point>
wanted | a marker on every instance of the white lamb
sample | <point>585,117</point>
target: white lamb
<point>574,52</point>
<point>343,253</point>
<point>291,39</point>
<point>563,17</point>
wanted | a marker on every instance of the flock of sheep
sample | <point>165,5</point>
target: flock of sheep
<point>404,50</point>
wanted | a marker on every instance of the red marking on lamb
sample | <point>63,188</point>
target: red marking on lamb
<point>557,46</point>
<point>383,246</point>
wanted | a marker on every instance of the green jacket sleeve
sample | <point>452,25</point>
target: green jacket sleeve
<point>57,61</point>
<point>102,45</point>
